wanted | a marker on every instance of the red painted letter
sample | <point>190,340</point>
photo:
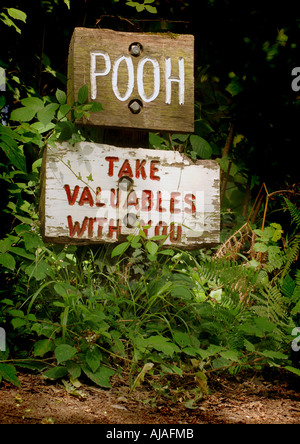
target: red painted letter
<point>98,197</point>
<point>147,200</point>
<point>153,169</point>
<point>177,237</point>
<point>189,200</point>
<point>114,229</point>
<point>173,202</point>
<point>159,207</point>
<point>72,199</point>
<point>140,169</point>
<point>164,227</point>
<point>76,229</point>
<point>111,161</point>
<point>86,197</point>
<point>125,170</point>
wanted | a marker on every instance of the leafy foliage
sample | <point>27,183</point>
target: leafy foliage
<point>140,307</point>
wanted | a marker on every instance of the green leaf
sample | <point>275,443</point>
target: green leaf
<point>162,344</point>
<point>100,377</point>
<point>182,339</point>
<point>61,96</point>
<point>232,355</point>
<point>120,249</point>
<point>63,111</point>
<point>42,347</point>
<point>152,247</point>
<point>38,270</point>
<point>46,114</point>
<point>95,107</point>
<point>167,252</point>
<point>17,14</point>
<point>293,370</point>
<point>17,322</point>
<point>64,352</point>
<point>23,114</point>
<point>33,102</point>
<point>14,154</point>
<point>22,252</point>
<point>7,261</point>
<point>93,358</point>
<point>83,94</point>
<point>260,247</point>
<point>201,147</point>
<point>56,372</point>
<point>141,376</point>
<point>151,9</point>
<point>274,354</point>
<point>9,373</point>
<point>2,98</point>
<point>73,369</point>
<point>249,346</point>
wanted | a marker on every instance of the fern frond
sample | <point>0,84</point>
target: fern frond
<point>292,254</point>
<point>294,212</point>
<point>236,280</point>
<point>270,304</point>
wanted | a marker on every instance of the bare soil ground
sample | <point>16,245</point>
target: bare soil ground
<point>250,400</point>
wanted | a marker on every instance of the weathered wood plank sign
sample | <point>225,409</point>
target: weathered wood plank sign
<point>94,193</point>
<point>143,81</point>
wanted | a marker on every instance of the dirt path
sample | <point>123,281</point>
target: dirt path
<point>249,401</point>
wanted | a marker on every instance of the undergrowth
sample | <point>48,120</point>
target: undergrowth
<point>138,309</point>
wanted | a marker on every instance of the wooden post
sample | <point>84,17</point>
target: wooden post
<point>102,192</point>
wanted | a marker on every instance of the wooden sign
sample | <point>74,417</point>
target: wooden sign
<point>94,193</point>
<point>143,81</point>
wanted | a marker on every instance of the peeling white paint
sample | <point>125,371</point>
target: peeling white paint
<point>164,189</point>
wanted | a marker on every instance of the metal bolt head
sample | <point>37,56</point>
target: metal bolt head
<point>135,49</point>
<point>135,107</point>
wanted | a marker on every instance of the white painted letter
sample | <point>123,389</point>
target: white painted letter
<point>179,79</point>
<point>94,73</point>
<point>130,85</point>
<point>140,79</point>
<point>295,82</point>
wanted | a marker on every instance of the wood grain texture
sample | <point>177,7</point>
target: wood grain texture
<point>83,201</point>
<point>139,76</point>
